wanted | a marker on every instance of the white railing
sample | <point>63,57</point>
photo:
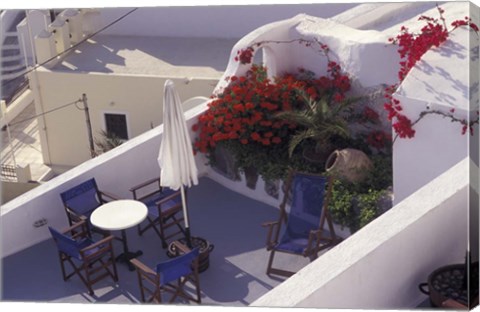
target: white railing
<point>381,265</point>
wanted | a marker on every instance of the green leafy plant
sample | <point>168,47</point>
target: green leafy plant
<point>319,122</point>
<point>354,205</point>
<point>107,141</point>
<point>281,123</point>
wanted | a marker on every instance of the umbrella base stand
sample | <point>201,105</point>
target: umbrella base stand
<point>205,248</point>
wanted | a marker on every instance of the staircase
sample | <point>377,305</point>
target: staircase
<point>12,65</point>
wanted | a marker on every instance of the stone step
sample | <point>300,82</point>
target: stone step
<point>10,87</point>
<point>12,63</point>
<point>13,71</point>
<point>10,41</point>
<point>10,52</point>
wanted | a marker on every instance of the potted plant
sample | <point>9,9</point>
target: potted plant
<point>273,124</point>
<point>108,141</point>
<point>242,120</point>
<point>320,121</point>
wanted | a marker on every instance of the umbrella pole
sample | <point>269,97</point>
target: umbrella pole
<point>185,213</point>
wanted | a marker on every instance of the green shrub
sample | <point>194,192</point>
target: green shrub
<point>356,205</point>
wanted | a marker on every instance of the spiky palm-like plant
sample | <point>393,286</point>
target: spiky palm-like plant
<point>319,121</point>
<point>108,141</point>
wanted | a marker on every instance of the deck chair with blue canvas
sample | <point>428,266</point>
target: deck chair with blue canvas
<point>165,210</point>
<point>90,260</point>
<point>82,199</point>
<point>303,232</point>
<point>171,277</point>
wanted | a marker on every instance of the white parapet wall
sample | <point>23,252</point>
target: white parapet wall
<point>115,172</point>
<point>381,265</point>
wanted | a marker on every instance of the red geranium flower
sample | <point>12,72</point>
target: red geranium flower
<point>255,136</point>
<point>276,140</point>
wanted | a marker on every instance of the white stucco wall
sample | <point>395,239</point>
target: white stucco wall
<point>445,80</point>
<point>140,98</point>
<point>357,51</point>
<point>438,144</point>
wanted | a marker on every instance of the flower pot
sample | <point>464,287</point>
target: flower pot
<point>251,177</point>
<point>224,163</point>
<point>272,188</point>
<point>350,164</point>
<point>317,156</point>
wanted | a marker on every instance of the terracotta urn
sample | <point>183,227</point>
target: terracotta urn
<point>350,164</point>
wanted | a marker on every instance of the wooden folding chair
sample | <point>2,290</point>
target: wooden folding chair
<point>304,233</point>
<point>81,200</point>
<point>170,277</point>
<point>90,260</point>
<point>165,213</point>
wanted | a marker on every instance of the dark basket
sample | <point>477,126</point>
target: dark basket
<point>205,248</point>
<point>448,282</point>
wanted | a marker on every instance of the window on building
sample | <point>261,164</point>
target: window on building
<point>117,124</point>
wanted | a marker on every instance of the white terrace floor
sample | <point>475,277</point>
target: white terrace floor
<point>236,276</point>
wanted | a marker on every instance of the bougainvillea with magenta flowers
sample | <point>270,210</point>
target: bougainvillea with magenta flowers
<point>412,47</point>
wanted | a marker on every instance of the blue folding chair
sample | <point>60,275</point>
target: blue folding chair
<point>165,213</point>
<point>170,276</point>
<point>304,232</point>
<point>81,200</point>
<point>90,260</point>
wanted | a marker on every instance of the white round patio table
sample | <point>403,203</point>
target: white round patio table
<point>121,215</point>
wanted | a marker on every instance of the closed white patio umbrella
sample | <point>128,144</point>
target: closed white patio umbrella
<point>176,160</point>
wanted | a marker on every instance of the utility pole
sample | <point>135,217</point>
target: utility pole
<point>89,126</point>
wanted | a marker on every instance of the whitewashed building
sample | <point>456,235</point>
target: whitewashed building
<point>435,217</point>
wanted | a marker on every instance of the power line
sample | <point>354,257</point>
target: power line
<point>73,46</point>
<point>47,112</point>
<point>87,120</point>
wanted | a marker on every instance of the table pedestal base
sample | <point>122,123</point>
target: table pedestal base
<point>119,215</point>
<point>127,256</point>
